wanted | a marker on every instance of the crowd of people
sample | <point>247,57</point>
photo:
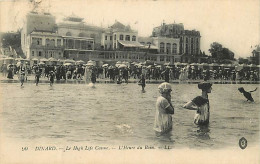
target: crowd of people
<point>122,73</point>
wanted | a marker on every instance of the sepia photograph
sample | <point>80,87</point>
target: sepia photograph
<point>129,81</point>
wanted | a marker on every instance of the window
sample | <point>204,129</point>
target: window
<point>59,54</point>
<point>168,48</point>
<point>162,47</point>
<point>40,53</point>
<point>121,37</point>
<point>105,37</point>
<point>114,37</point>
<point>58,42</point>
<point>186,49</point>
<point>105,46</point>
<point>161,58</point>
<point>174,48</point>
<point>111,37</point>
<point>47,42</point>
<point>127,37</point>
<point>32,53</point>
<point>134,38</point>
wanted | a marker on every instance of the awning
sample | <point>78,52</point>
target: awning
<point>151,47</point>
<point>130,44</point>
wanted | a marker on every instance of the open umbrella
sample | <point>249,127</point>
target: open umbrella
<point>80,62</point>
<point>52,59</point>
<point>43,60</point>
<point>122,66</point>
<point>67,64</point>
<point>89,64</point>
<point>69,61</point>
<point>105,65</point>
<point>41,63</point>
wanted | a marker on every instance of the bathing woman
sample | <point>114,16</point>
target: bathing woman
<point>201,104</point>
<point>164,109</point>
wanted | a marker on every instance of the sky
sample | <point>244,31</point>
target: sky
<point>233,23</point>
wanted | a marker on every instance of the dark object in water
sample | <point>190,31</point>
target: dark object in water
<point>247,95</point>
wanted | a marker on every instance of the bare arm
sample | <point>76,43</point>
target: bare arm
<point>253,90</point>
<point>190,105</point>
<point>170,109</point>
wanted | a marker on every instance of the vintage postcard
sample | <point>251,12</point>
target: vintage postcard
<point>129,81</point>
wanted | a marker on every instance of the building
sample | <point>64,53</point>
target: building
<point>189,44</point>
<point>39,37</point>
<point>80,39</point>
<point>74,39</point>
<point>161,49</point>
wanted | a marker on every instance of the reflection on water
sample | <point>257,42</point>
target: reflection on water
<point>114,114</point>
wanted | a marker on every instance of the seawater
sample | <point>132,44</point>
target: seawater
<point>122,114</point>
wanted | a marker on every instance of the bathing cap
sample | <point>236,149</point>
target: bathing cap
<point>164,87</point>
<point>204,86</point>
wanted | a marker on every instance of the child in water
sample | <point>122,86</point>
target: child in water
<point>247,95</point>
<point>164,109</point>
<point>201,104</point>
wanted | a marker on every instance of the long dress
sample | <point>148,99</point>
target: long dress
<point>202,114</point>
<point>163,121</point>
<point>87,74</point>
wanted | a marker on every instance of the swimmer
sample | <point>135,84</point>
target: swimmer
<point>247,95</point>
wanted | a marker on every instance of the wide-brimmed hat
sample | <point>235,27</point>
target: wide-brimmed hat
<point>164,87</point>
<point>204,85</point>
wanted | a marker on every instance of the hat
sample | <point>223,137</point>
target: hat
<point>204,86</point>
<point>164,87</point>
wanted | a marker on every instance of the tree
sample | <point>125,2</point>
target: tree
<point>220,53</point>
<point>215,49</point>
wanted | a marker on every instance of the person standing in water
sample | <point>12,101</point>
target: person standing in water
<point>201,104</point>
<point>142,82</point>
<point>37,75</point>
<point>22,77</point>
<point>164,109</point>
<point>51,76</point>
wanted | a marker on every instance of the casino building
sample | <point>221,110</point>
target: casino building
<point>74,39</point>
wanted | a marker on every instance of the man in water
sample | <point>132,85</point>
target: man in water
<point>247,95</point>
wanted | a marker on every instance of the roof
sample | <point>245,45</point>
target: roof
<point>118,25</point>
<point>130,44</point>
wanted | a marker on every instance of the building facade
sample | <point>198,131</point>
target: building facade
<point>189,40</point>
<point>72,38</point>
<point>39,38</point>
